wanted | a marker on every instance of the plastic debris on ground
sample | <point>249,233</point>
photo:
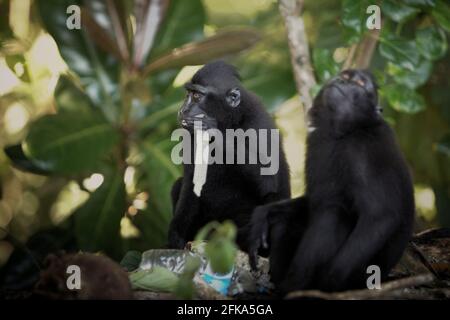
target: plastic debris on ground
<point>161,267</point>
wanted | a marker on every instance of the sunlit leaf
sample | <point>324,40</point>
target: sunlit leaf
<point>431,43</point>
<point>411,79</point>
<point>157,279</point>
<point>69,142</point>
<point>403,99</point>
<point>400,51</point>
<point>398,12</point>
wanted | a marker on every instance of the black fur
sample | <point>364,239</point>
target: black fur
<point>358,209</point>
<point>231,191</point>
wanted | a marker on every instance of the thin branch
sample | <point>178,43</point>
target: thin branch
<point>360,54</point>
<point>366,49</point>
<point>386,289</point>
<point>298,45</point>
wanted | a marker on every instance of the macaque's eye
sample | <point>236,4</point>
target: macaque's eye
<point>196,96</point>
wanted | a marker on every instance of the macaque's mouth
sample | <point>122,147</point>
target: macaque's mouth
<point>201,121</point>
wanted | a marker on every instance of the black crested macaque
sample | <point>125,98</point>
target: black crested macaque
<point>358,208</point>
<point>216,97</point>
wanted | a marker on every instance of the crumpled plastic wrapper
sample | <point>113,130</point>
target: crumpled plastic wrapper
<point>241,279</point>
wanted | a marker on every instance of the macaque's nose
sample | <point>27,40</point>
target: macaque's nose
<point>353,76</point>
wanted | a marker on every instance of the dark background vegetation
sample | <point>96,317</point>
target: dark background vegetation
<point>86,115</point>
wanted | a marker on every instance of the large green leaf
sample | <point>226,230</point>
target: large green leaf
<point>69,142</point>
<point>97,222</point>
<point>400,51</point>
<point>431,43</point>
<point>354,18</point>
<point>98,72</point>
<point>411,79</point>
<point>403,99</point>
<point>157,279</point>
<point>183,23</point>
<point>441,12</point>
<point>398,12</point>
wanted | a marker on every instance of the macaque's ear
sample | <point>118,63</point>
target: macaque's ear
<point>234,97</point>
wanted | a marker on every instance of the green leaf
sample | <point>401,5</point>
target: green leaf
<point>441,12</point>
<point>221,248</point>
<point>70,98</point>
<point>97,222</point>
<point>156,175</point>
<point>354,18</point>
<point>98,71</point>
<point>411,79</point>
<point>201,52</point>
<point>185,288</point>
<point>157,279</point>
<point>131,260</point>
<point>324,64</point>
<point>398,12</point>
<point>421,3</point>
<point>69,142</point>
<point>400,51</point>
<point>21,161</point>
<point>403,99</point>
<point>431,43</point>
<point>183,23</point>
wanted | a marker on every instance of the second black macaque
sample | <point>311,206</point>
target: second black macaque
<point>216,99</point>
<point>358,209</point>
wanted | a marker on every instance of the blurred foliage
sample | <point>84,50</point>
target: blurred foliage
<point>411,64</point>
<point>221,248</point>
<point>86,115</point>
